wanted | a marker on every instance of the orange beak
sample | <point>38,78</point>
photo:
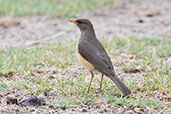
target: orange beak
<point>72,21</point>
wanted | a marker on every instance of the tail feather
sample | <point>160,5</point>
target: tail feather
<point>124,89</point>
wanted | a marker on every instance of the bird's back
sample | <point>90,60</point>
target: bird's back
<point>93,51</point>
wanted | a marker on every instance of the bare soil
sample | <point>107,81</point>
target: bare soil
<point>100,106</point>
<point>139,18</point>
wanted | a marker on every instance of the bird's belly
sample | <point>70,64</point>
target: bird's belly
<point>84,62</point>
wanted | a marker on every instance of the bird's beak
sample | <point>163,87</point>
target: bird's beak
<point>72,21</point>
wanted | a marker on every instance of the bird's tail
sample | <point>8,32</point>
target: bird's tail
<point>124,89</point>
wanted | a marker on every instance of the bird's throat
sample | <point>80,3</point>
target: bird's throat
<point>88,34</point>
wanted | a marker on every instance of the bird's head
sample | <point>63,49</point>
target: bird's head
<point>83,24</point>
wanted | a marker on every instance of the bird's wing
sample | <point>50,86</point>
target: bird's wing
<point>97,56</point>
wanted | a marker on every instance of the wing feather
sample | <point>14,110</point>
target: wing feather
<point>96,55</point>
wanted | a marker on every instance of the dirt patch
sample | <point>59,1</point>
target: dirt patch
<point>100,106</point>
<point>122,19</point>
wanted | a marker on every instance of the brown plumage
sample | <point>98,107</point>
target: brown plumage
<point>93,56</point>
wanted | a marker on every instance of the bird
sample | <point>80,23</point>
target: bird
<point>92,55</point>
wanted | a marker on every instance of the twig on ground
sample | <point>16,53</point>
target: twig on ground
<point>45,39</point>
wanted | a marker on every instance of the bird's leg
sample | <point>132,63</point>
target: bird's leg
<point>92,75</point>
<point>101,82</point>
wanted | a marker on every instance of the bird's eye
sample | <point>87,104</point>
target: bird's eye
<point>78,21</point>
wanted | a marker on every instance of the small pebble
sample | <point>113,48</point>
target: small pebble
<point>11,100</point>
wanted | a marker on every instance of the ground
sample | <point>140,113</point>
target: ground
<point>148,19</point>
<point>136,35</point>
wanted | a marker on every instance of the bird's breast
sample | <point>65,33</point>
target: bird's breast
<point>83,61</point>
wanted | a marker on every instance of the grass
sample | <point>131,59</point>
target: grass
<point>24,59</point>
<point>145,56</point>
<point>53,8</point>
